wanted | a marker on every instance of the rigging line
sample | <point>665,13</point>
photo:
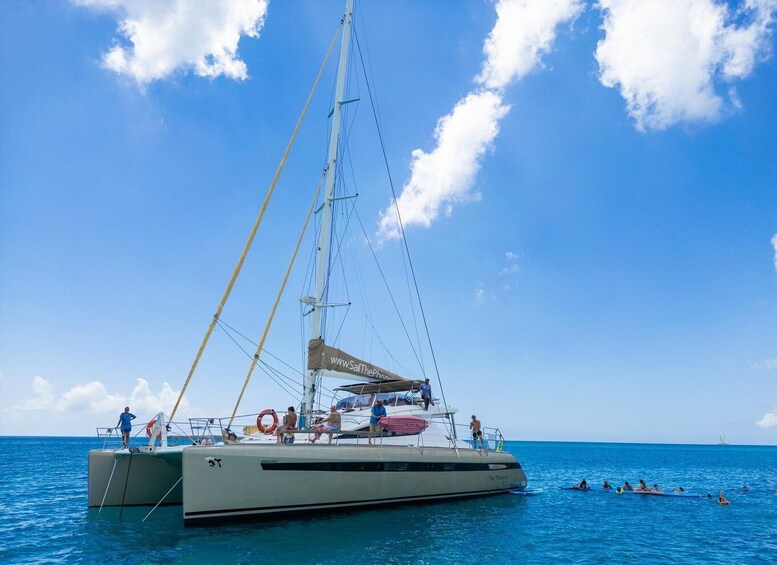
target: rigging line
<point>280,375</point>
<point>275,305</point>
<point>341,262</point>
<point>254,229</point>
<point>281,361</point>
<point>362,287</point>
<point>282,385</point>
<point>247,354</point>
<point>339,182</point>
<point>334,261</point>
<point>376,111</point>
<point>388,289</point>
<point>229,335</point>
<point>404,240</point>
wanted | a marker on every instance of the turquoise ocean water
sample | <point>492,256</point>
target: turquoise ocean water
<point>43,515</point>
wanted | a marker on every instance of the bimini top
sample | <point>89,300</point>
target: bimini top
<point>385,386</point>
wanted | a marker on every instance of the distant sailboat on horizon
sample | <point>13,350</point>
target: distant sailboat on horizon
<point>723,440</point>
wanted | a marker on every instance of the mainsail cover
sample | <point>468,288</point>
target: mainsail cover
<point>326,358</point>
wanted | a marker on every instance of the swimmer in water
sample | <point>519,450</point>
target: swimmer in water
<point>583,485</point>
<point>656,489</point>
<point>643,486</point>
<point>606,486</point>
<point>679,490</point>
<point>745,489</point>
<point>627,486</point>
<point>722,499</point>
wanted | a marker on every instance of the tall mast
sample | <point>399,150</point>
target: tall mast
<point>322,267</point>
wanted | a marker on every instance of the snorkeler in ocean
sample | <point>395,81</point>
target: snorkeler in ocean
<point>627,486</point>
<point>656,489</point>
<point>606,486</point>
<point>679,490</point>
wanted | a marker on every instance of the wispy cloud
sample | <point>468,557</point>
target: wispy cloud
<point>774,246</point>
<point>523,33</point>
<point>769,364</point>
<point>482,295</point>
<point>93,397</point>
<point>512,264</point>
<point>162,37</point>
<point>669,58</point>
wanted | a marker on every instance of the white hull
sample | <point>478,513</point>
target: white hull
<point>121,478</point>
<point>239,482</point>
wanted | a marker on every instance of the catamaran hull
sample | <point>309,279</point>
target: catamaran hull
<point>121,478</point>
<point>244,482</point>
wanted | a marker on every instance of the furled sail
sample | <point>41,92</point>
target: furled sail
<point>330,359</point>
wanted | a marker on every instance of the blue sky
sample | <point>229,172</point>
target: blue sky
<point>590,203</point>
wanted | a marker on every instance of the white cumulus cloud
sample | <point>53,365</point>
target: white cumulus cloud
<point>90,397</point>
<point>443,177</point>
<point>161,37</point>
<point>524,31</point>
<point>669,58</point>
<point>768,421</point>
<point>94,397</point>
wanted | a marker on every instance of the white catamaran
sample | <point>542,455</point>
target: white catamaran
<point>415,457</point>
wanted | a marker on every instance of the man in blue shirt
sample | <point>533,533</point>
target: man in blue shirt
<point>378,411</point>
<point>125,424</point>
<point>426,394</point>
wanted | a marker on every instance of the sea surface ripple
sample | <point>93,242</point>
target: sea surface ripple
<point>44,519</point>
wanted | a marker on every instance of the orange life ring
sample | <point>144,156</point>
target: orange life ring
<point>150,428</point>
<point>261,415</point>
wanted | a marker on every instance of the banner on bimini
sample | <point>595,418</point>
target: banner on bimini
<point>324,357</point>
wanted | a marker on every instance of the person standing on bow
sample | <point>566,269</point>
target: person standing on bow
<point>378,411</point>
<point>426,394</point>
<point>477,433</point>
<point>125,425</point>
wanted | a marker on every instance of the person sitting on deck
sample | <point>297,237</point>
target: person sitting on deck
<point>627,486</point>
<point>606,486</point>
<point>378,411</point>
<point>289,423</point>
<point>329,425</point>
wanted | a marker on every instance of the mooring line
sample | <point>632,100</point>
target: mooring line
<point>124,496</point>
<point>115,460</point>
<point>165,496</point>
